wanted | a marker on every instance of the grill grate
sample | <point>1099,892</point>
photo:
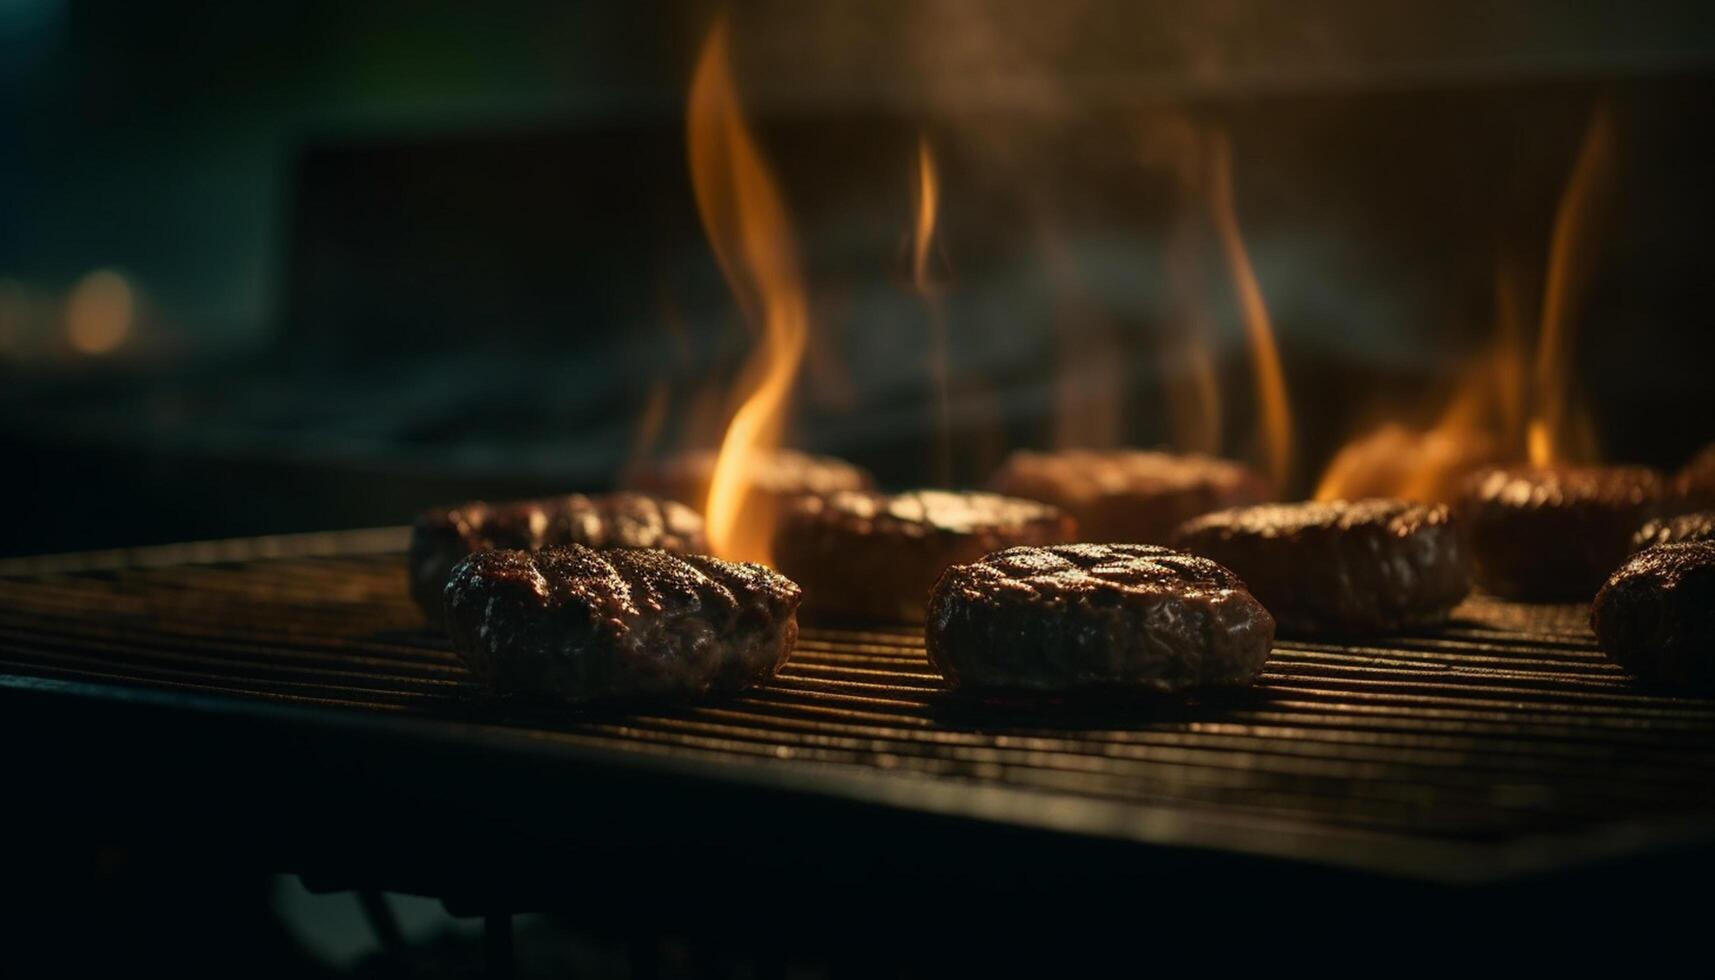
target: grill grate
<point>1480,742</point>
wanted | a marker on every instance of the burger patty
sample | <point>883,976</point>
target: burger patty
<point>875,555</point>
<point>443,537</point>
<point>575,624</point>
<point>1128,494</point>
<point>1695,526</point>
<point>1555,532</point>
<point>779,475</point>
<point>1366,566</point>
<point>1656,615</point>
<point>1089,616</point>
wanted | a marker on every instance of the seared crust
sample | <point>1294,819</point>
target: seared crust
<point>1366,566</point>
<point>1090,616</point>
<point>576,624</point>
<point>875,555</point>
<point>442,537</point>
<point>1555,532</point>
<point>1696,526</point>
<point>1128,494</point>
<point>1656,615</point>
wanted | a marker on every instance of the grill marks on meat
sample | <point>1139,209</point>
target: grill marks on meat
<point>1087,616</point>
<point>1555,532</point>
<point>443,537</point>
<point>575,624</point>
<point>1656,616</point>
<point>1128,494</point>
<point>1367,566</point>
<point>875,555</point>
<point>1696,526</point>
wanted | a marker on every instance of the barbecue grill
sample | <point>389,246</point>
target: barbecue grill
<point>278,700</point>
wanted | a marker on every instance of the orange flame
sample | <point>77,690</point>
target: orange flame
<point>922,241</point>
<point>1274,413</point>
<point>746,224</point>
<point>1554,430</point>
<point>928,206</point>
<point>1429,466</point>
<point>1481,425</point>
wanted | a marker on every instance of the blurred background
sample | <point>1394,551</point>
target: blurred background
<point>283,266</point>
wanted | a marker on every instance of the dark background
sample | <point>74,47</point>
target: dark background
<point>389,254</point>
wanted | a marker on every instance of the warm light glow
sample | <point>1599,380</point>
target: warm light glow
<point>99,312</point>
<point>1554,431</point>
<point>922,243</point>
<point>1274,414</point>
<point>928,207</point>
<point>1482,424</point>
<point>746,224</point>
<point>1428,466</point>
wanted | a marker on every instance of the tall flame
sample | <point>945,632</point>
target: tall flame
<point>922,242</point>
<point>746,224</point>
<point>1274,413</point>
<point>1553,427</point>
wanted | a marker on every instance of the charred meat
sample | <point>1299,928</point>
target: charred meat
<point>1366,566</point>
<point>1128,494</point>
<point>780,475</point>
<point>1555,532</point>
<point>1695,526</point>
<point>1091,616</point>
<point>875,555</point>
<point>444,536</point>
<point>575,624</point>
<point>1656,616</point>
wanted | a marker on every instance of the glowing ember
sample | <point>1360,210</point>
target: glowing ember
<point>746,224</point>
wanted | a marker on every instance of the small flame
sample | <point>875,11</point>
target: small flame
<point>922,242</point>
<point>1428,466</point>
<point>746,224</point>
<point>1554,429</point>
<point>928,207</point>
<point>1274,413</point>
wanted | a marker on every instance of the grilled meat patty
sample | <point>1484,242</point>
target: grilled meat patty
<point>1695,526</point>
<point>576,624</point>
<point>1555,532</point>
<point>875,555</point>
<point>779,476</point>
<point>442,537</point>
<point>1656,615</point>
<point>1346,567</point>
<point>1128,494</point>
<point>1089,616</point>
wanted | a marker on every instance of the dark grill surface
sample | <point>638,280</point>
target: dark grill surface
<point>1504,743</point>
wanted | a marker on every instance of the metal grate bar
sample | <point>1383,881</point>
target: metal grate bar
<point>1507,725</point>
